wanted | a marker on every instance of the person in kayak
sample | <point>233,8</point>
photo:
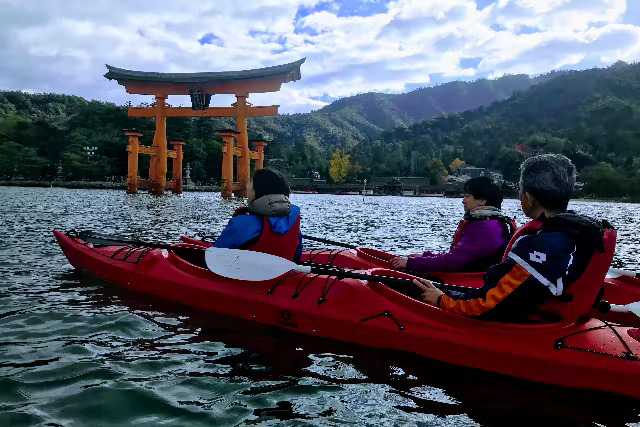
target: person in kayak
<point>481,237</point>
<point>539,267</point>
<point>270,223</point>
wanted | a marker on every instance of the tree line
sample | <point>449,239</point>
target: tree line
<point>591,116</point>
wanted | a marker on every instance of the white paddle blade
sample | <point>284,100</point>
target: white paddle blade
<point>616,272</point>
<point>633,307</point>
<point>249,265</point>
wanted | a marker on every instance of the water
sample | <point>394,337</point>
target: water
<point>75,351</point>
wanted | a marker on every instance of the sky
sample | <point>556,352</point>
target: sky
<point>350,46</point>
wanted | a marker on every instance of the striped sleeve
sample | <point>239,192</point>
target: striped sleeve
<point>492,296</point>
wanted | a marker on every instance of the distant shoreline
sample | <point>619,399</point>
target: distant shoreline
<point>104,185</point>
<point>95,185</point>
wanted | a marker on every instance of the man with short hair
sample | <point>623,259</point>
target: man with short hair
<point>540,266</point>
<point>481,237</point>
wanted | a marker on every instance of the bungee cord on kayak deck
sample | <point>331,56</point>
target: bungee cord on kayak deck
<point>628,354</point>
<point>384,314</point>
<point>129,250</point>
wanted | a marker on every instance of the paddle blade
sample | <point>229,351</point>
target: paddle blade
<point>633,307</point>
<point>614,273</point>
<point>249,265</point>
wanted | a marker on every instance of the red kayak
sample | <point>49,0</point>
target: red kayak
<point>592,355</point>
<point>620,290</point>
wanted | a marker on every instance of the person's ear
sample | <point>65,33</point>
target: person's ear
<point>530,200</point>
<point>483,202</point>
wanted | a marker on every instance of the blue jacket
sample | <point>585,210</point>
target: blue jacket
<point>243,228</point>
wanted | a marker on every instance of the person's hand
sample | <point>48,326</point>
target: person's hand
<point>399,262</point>
<point>430,294</point>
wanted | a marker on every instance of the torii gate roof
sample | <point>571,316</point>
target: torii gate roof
<point>268,79</point>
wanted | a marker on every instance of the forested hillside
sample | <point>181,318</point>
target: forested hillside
<point>592,116</point>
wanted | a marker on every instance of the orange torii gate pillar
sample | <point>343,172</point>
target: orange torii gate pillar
<point>134,149</point>
<point>177,165</point>
<point>132,154</point>
<point>229,150</point>
<point>259,144</point>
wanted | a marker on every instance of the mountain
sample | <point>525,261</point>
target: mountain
<point>389,110</point>
<point>591,116</point>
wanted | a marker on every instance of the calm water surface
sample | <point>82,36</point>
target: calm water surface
<point>75,351</point>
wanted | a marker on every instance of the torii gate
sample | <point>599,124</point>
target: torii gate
<point>201,86</point>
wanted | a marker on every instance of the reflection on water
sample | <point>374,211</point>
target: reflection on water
<point>74,351</point>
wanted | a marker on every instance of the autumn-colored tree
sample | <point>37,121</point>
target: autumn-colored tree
<point>456,164</point>
<point>339,166</point>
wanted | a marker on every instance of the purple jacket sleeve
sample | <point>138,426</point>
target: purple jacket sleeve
<point>480,238</point>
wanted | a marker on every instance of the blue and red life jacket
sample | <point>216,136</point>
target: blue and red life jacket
<point>283,245</point>
<point>595,246</point>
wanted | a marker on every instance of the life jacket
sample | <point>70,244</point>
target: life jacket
<point>282,245</point>
<point>596,240</point>
<point>531,227</point>
<point>484,263</point>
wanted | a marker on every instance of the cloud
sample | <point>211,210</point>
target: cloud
<point>351,46</point>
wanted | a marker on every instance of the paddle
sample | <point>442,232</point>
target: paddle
<point>616,272</point>
<point>328,242</point>
<point>633,307</point>
<point>257,267</point>
<point>111,240</point>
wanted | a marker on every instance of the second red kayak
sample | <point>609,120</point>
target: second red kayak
<point>621,290</point>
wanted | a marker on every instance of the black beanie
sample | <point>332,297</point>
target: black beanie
<point>268,181</point>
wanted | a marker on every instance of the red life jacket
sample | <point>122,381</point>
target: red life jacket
<point>577,297</point>
<point>457,236</point>
<point>531,227</point>
<point>282,245</point>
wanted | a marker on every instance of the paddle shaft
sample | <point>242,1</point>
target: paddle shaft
<point>107,240</point>
<point>328,242</point>
<point>341,274</point>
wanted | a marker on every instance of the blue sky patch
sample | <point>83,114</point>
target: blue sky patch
<point>632,16</point>
<point>470,62</point>
<point>498,27</point>
<point>362,8</point>
<point>323,98</point>
<point>525,29</point>
<point>481,4</point>
<point>210,38</point>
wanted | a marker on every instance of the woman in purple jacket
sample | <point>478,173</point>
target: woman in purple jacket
<point>480,239</point>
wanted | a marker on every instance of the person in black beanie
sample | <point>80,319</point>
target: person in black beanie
<point>270,223</point>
